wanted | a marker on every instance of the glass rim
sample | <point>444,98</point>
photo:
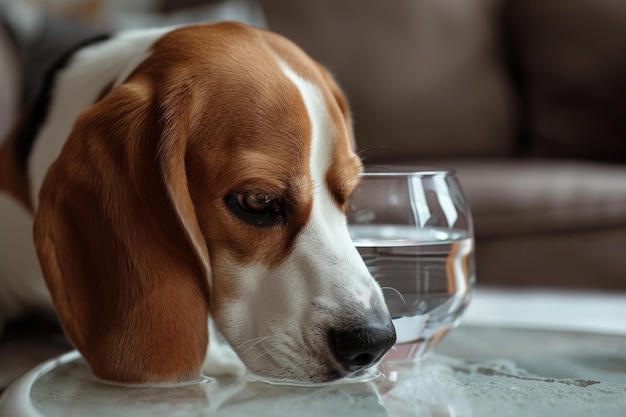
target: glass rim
<point>405,171</point>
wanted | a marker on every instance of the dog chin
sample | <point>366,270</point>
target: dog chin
<point>289,366</point>
<point>222,360</point>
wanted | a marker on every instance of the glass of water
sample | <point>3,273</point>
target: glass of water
<point>414,230</point>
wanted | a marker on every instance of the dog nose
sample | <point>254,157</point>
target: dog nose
<point>359,347</point>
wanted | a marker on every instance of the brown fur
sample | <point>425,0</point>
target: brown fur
<point>132,208</point>
<point>345,165</point>
<point>137,306</point>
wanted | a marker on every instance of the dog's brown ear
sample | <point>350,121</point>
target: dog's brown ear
<point>119,242</point>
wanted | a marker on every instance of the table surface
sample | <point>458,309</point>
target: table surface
<point>478,370</point>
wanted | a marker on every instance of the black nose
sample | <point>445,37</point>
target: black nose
<point>360,347</point>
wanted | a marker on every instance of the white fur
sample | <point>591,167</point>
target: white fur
<point>78,86</point>
<point>320,286</point>
<point>279,325</point>
<point>327,228</point>
<point>91,70</point>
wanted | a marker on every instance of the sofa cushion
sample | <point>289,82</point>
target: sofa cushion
<point>517,197</point>
<point>424,78</point>
<point>585,259</point>
<point>571,58</point>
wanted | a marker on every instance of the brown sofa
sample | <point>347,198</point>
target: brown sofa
<point>526,99</point>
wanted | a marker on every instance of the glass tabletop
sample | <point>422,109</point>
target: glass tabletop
<point>477,371</point>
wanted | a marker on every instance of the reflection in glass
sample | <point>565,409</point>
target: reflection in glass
<point>414,232</point>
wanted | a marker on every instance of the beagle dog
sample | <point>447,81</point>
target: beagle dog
<point>170,176</point>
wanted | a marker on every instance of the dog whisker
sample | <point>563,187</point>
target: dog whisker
<point>317,188</point>
<point>395,291</point>
<point>297,365</point>
<point>289,375</point>
<point>267,354</point>
<point>273,342</point>
<point>362,153</point>
<point>302,364</point>
<point>249,344</point>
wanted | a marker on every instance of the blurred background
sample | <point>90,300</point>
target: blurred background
<point>526,99</point>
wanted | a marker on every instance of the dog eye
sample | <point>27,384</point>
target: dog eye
<point>255,202</point>
<point>256,208</point>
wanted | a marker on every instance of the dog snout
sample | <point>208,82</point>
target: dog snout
<point>356,348</point>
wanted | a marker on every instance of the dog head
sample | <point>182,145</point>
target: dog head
<point>213,180</point>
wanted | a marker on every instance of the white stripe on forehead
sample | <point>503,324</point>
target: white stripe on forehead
<point>321,149</point>
<point>326,239</point>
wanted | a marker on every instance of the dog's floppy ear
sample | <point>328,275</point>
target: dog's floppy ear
<point>119,242</point>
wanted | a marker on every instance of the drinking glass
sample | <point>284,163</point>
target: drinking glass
<point>414,230</point>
